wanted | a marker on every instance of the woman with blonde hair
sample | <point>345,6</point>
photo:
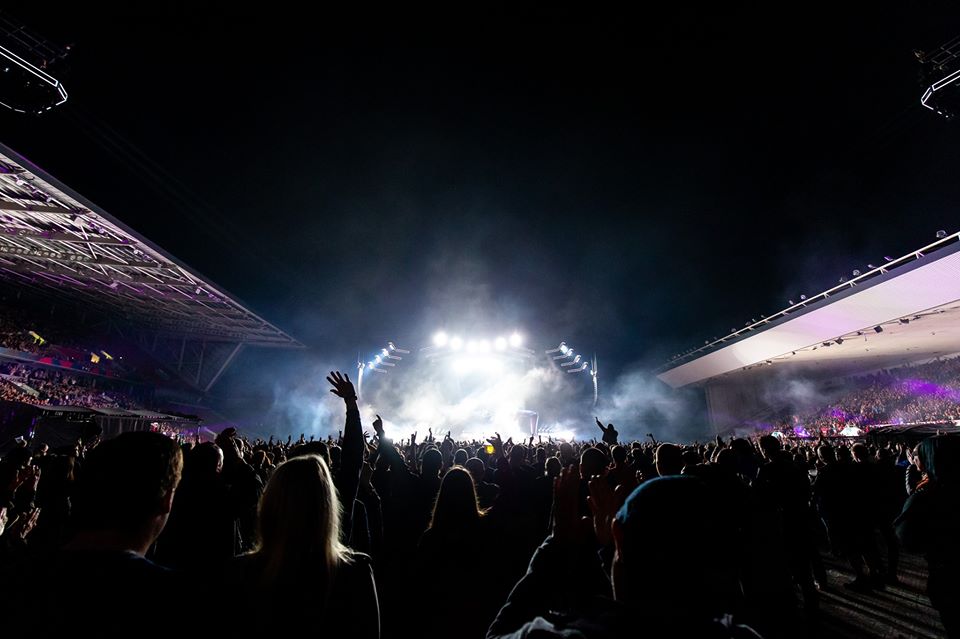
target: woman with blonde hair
<point>300,576</point>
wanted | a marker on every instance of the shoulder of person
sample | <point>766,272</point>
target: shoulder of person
<point>360,561</point>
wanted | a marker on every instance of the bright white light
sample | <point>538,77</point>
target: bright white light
<point>500,343</point>
<point>564,349</point>
<point>370,364</point>
<point>515,340</point>
<point>440,339</point>
<point>467,365</point>
<point>562,435</point>
<point>377,359</point>
<point>385,352</point>
<point>484,346</point>
<point>576,360</point>
<point>472,346</point>
<point>456,343</point>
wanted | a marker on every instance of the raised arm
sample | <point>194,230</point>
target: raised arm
<point>351,457</point>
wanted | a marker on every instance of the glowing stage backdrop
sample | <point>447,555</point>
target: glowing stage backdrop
<point>474,386</point>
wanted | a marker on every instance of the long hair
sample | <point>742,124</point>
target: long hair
<point>456,506</point>
<point>299,525</point>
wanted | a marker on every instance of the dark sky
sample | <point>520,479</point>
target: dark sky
<point>633,184</point>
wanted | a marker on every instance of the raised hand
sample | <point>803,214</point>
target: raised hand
<point>603,504</point>
<point>25,523</point>
<point>342,386</point>
<point>600,424</point>
<point>566,524</point>
<point>378,426</point>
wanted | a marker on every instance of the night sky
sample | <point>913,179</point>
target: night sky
<point>632,184</point>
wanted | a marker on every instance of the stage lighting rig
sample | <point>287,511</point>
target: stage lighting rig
<point>26,59</point>
<point>940,76</point>
<point>445,344</point>
<point>385,359</point>
<point>566,358</point>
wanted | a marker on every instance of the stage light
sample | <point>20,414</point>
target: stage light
<point>878,329</point>
<point>377,359</point>
<point>456,343</point>
<point>856,272</point>
<point>440,339</point>
<point>564,349</point>
<point>467,365</point>
<point>904,320</point>
<point>803,297</point>
<point>516,340</point>
<point>500,343</point>
<point>385,353</point>
<point>472,346</point>
<point>484,346</point>
<point>941,234</point>
<point>576,360</point>
<point>370,364</point>
<point>839,341</point>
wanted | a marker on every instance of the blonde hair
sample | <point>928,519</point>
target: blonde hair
<point>299,524</point>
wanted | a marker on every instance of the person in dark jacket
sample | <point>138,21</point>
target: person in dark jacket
<point>658,588</point>
<point>930,524</point>
<point>299,561</point>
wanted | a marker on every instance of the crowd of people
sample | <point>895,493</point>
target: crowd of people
<point>362,536</point>
<point>44,386</point>
<point>922,393</point>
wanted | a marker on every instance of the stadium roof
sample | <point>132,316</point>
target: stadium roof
<point>53,239</point>
<point>914,301</point>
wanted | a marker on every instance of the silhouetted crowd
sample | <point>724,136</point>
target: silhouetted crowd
<point>927,392</point>
<point>42,386</point>
<point>361,536</point>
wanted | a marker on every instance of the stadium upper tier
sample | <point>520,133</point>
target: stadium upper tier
<point>905,311</point>
<point>52,239</point>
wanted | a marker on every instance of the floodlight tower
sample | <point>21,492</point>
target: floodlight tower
<point>26,60</point>
<point>940,76</point>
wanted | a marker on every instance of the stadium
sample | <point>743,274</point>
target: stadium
<point>466,258</point>
<point>154,327</point>
<point>904,313</point>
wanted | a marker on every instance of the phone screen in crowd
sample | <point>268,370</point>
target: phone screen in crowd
<point>489,448</point>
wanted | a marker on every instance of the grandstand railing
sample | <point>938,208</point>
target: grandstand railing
<point>912,256</point>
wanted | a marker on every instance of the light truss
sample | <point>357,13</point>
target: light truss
<point>52,240</point>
